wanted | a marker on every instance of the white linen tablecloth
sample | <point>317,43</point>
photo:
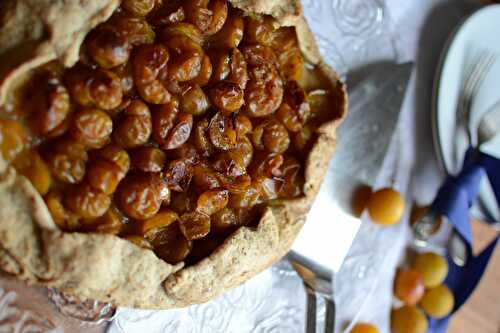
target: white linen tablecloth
<point>351,34</point>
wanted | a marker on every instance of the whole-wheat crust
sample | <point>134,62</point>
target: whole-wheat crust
<point>105,267</point>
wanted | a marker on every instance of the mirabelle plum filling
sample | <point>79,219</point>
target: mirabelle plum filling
<point>178,125</point>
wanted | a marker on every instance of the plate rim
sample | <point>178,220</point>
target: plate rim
<point>484,213</point>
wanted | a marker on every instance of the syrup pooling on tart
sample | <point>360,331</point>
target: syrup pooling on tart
<point>179,124</point>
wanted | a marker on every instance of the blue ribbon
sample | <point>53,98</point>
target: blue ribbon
<point>454,200</point>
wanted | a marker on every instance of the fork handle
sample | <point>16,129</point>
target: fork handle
<point>311,311</point>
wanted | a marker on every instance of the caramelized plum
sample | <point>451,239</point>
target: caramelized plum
<point>134,126</point>
<point>170,244</point>
<point>212,201</point>
<point>13,138</point>
<point>194,225</point>
<point>66,160</point>
<point>222,132</point>
<point>148,159</point>
<point>86,202</point>
<point>32,166</point>
<point>139,196</point>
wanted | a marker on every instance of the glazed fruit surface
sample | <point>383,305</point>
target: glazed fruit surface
<point>179,124</point>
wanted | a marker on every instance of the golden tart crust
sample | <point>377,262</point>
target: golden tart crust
<point>105,267</point>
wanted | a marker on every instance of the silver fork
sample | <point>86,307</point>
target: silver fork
<point>474,77</point>
<point>318,282</point>
<point>472,81</point>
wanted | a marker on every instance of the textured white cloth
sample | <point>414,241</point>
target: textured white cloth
<point>351,33</point>
<point>419,30</point>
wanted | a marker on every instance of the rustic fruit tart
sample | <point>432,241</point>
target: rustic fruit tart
<point>155,153</point>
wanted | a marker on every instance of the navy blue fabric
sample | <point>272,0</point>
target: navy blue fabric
<point>454,199</point>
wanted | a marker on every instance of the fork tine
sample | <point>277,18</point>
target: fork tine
<point>483,69</point>
<point>479,68</point>
<point>480,65</point>
<point>473,79</point>
<point>472,68</point>
<point>479,78</point>
<point>467,83</point>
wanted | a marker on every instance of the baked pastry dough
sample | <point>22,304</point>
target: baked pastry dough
<point>105,267</point>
